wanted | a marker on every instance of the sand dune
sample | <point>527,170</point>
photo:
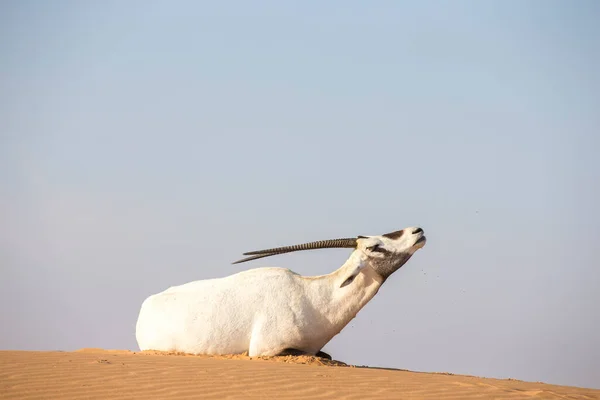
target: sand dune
<point>113,374</point>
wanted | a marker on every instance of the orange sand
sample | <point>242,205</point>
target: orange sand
<point>114,374</point>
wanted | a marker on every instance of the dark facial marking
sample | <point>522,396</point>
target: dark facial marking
<point>385,268</point>
<point>376,248</point>
<point>394,235</point>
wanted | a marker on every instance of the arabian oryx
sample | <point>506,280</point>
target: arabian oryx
<point>274,311</point>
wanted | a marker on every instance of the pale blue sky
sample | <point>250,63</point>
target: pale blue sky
<point>149,143</point>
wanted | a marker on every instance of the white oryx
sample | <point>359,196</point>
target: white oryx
<point>273,311</point>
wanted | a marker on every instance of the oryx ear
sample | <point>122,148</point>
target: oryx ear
<point>350,278</point>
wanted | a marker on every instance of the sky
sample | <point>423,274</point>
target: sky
<point>145,144</point>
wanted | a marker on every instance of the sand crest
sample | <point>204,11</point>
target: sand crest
<point>119,374</point>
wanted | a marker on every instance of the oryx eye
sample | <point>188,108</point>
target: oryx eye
<point>375,248</point>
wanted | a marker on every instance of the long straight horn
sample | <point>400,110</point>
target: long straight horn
<point>321,244</point>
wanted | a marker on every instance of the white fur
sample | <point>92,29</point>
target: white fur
<point>263,311</point>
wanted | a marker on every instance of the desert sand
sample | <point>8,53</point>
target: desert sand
<point>119,374</point>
